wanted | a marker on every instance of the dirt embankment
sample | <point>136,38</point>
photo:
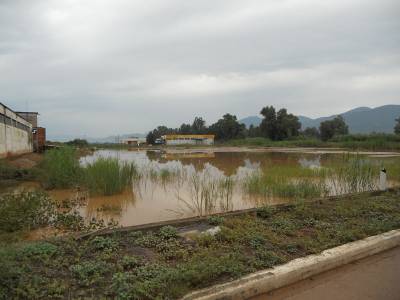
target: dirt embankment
<point>25,161</point>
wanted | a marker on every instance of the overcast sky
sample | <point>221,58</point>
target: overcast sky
<point>96,68</point>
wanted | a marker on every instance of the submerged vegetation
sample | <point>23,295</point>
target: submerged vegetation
<point>108,176</point>
<point>22,212</point>
<point>351,175</point>
<point>105,176</point>
<point>162,265</point>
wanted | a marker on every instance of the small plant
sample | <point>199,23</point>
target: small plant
<point>257,241</point>
<point>103,243</point>
<point>168,232</point>
<point>265,212</point>
<point>39,249</point>
<point>267,258</point>
<point>129,262</point>
<point>215,220</point>
<point>148,240</point>
<point>135,234</point>
<point>122,284</point>
<point>88,272</point>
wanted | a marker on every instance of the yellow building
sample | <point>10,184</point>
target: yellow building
<point>188,139</point>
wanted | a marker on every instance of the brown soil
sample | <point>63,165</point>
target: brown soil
<point>26,161</point>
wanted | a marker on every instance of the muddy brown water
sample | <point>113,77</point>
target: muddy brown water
<point>154,198</point>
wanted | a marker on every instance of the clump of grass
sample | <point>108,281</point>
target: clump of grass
<point>61,169</point>
<point>107,176</point>
<point>280,186</point>
<point>355,174</point>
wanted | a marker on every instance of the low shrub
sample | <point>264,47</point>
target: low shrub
<point>61,169</point>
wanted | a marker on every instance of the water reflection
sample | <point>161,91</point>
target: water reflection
<point>190,183</point>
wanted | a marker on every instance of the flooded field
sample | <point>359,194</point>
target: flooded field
<point>186,183</point>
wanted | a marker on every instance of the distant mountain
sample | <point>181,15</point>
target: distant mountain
<point>252,120</point>
<point>100,140</point>
<point>360,119</point>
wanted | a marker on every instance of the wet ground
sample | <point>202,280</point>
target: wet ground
<point>175,181</point>
<point>372,278</point>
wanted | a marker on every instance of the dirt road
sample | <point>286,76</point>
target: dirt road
<point>373,278</point>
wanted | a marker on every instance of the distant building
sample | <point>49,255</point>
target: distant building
<point>188,139</point>
<point>38,133</point>
<point>136,141</point>
<point>15,133</point>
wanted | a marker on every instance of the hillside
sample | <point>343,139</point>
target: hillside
<point>360,120</point>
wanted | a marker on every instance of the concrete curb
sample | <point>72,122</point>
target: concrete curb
<point>298,269</point>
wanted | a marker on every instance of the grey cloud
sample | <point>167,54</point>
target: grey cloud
<point>108,67</point>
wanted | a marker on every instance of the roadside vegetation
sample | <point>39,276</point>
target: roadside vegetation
<point>161,264</point>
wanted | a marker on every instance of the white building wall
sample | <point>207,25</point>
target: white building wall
<point>190,142</point>
<point>14,140</point>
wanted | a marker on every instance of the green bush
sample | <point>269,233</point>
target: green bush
<point>89,272</point>
<point>103,243</point>
<point>215,220</point>
<point>39,249</point>
<point>61,169</point>
<point>168,232</point>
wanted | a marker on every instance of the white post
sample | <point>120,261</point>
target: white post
<point>382,180</point>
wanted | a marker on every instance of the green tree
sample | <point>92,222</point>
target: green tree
<point>185,129</point>
<point>279,126</point>
<point>254,131</point>
<point>268,124</point>
<point>397,126</point>
<point>287,125</point>
<point>150,138</point>
<point>228,128</point>
<point>199,126</point>
<point>78,143</point>
<point>159,132</point>
<point>311,132</point>
<point>330,128</point>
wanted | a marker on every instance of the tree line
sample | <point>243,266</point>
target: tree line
<point>275,125</point>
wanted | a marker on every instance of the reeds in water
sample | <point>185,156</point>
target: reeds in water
<point>109,176</point>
